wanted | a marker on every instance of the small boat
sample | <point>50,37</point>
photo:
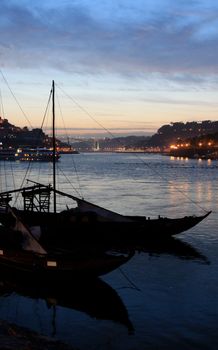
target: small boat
<point>58,267</point>
<point>37,154</point>
<point>67,150</point>
<point>23,257</point>
<point>85,221</point>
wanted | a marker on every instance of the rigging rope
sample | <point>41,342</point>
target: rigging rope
<point>74,164</point>
<point>6,184</point>
<point>135,154</point>
<point>99,124</point>
<point>46,109</point>
<point>30,163</point>
<point>2,106</point>
<point>78,193</point>
<point>133,285</point>
<point>86,112</point>
<point>170,183</point>
<point>15,98</point>
<point>27,170</point>
<point>12,172</point>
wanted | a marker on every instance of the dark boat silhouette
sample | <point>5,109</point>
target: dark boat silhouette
<point>23,258</point>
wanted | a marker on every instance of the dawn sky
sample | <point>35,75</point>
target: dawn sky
<point>131,65</point>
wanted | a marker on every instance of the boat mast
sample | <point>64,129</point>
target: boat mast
<point>54,143</point>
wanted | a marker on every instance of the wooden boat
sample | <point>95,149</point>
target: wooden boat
<point>85,222</point>
<point>60,267</point>
<point>25,259</point>
<point>88,222</point>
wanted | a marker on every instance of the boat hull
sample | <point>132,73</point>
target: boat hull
<point>23,266</point>
<point>67,228</point>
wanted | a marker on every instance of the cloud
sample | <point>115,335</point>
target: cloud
<point>119,37</point>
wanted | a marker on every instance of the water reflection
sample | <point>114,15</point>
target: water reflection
<point>170,246</point>
<point>94,297</point>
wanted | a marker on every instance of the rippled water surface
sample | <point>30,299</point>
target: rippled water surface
<point>165,297</point>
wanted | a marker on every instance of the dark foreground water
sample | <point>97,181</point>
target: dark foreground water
<point>165,297</point>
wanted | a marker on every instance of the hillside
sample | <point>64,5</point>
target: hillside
<point>175,132</point>
<point>14,136</point>
<point>166,135</point>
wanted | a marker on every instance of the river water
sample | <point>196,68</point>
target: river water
<point>165,297</point>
